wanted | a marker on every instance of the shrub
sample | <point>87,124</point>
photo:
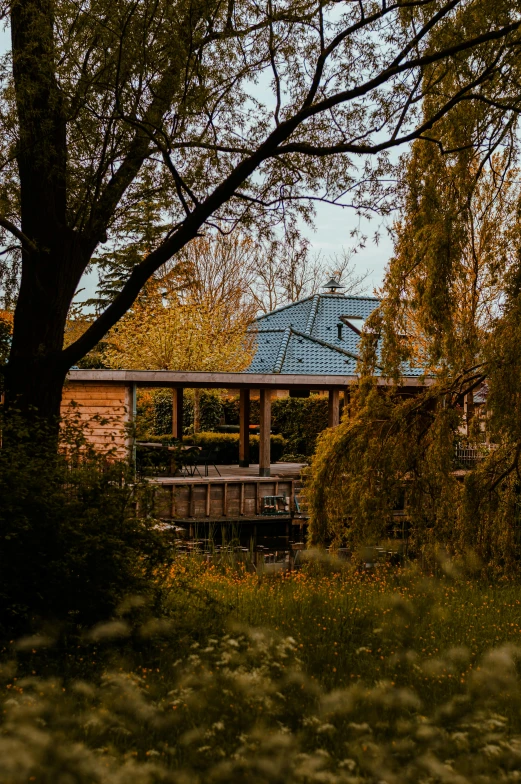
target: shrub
<point>225,444</point>
<point>228,446</point>
<point>241,707</point>
<point>154,411</point>
<point>231,409</point>
<point>72,539</point>
<point>300,420</point>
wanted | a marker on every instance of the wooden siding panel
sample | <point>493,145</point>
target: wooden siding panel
<point>104,413</point>
<point>234,499</point>
<point>217,500</point>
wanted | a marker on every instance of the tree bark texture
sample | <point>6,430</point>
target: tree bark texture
<point>53,261</point>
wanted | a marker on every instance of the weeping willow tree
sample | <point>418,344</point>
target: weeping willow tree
<point>451,305</point>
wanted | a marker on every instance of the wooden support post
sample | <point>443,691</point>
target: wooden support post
<point>265,432</point>
<point>132,417</point>
<point>334,408</point>
<point>244,428</point>
<point>177,413</point>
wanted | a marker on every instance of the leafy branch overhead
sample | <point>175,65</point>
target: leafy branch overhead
<point>211,114</point>
<point>451,306</point>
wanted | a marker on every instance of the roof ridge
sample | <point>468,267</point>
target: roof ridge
<point>312,314</point>
<point>352,296</point>
<point>268,329</point>
<point>277,367</point>
<point>283,307</point>
<point>327,345</point>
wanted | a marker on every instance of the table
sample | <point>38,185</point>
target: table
<point>177,453</point>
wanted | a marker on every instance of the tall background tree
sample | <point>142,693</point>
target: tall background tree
<point>450,305</point>
<point>135,126</point>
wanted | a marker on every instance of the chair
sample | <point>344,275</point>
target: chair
<point>188,460</point>
<point>208,456</point>
<point>274,505</point>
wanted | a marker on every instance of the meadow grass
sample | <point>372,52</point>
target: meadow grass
<point>327,675</point>
<point>350,624</point>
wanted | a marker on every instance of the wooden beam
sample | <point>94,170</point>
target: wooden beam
<point>265,432</point>
<point>177,413</point>
<point>333,408</point>
<point>207,380</point>
<point>132,415</point>
<point>244,428</point>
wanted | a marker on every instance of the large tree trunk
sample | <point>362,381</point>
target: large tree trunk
<point>36,369</point>
<point>53,257</point>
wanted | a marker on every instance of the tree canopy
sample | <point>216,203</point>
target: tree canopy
<point>450,305</point>
<point>167,331</point>
<point>130,128</point>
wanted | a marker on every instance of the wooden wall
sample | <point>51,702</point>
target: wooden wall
<point>104,412</point>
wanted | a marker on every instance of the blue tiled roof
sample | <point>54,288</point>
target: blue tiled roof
<point>304,338</point>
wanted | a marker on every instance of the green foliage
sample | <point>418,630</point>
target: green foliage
<point>251,705</point>
<point>450,308</point>
<point>231,410</point>
<point>355,483</point>
<point>73,541</point>
<point>300,421</point>
<point>154,411</point>
<point>211,409</point>
<point>227,445</point>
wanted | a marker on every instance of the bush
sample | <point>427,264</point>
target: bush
<point>300,420</point>
<point>241,705</point>
<point>228,446</point>
<point>154,411</point>
<point>231,410</point>
<point>72,540</point>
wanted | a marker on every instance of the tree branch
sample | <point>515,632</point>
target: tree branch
<point>27,243</point>
<point>271,147</point>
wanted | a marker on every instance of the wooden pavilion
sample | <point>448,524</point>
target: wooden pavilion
<point>307,345</point>
<point>105,400</point>
<point>310,345</point>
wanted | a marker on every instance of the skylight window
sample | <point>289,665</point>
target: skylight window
<point>356,323</point>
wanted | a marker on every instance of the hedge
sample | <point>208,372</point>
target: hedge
<point>299,421</point>
<point>226,446</point>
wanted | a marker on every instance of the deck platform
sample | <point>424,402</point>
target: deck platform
<point>234,497</point>
<point>235,473</point>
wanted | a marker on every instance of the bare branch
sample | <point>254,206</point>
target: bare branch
<point>27,243</point>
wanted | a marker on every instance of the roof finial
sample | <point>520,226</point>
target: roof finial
<point>333,285</point>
